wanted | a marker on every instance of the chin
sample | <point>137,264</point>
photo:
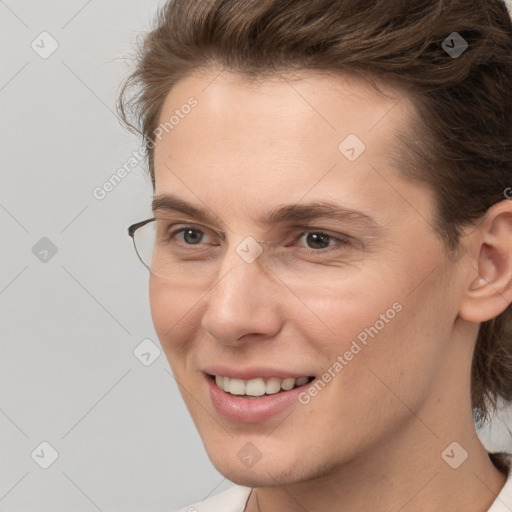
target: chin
<point>260,475</point>
<point>243,464</point>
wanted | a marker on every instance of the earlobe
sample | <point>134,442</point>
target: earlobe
<point>489,291</point>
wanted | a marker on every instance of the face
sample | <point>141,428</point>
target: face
<point>358,296</point>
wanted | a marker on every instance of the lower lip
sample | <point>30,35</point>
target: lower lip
<point>252,410</point>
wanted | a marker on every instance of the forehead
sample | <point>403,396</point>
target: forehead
<point>332,101</point>
<point>281,113</point>
<point>278,139</point>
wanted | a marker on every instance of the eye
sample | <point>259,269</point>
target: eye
<point>189,235</point>
<point>309,242</point>
<point>319,241</point>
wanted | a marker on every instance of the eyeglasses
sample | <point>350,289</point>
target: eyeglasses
<point>178,253</point>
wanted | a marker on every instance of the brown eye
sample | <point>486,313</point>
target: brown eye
<point>319,241</point>
<point>316,240</point>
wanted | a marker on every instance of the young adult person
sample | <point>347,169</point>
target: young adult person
<point>331,247</point>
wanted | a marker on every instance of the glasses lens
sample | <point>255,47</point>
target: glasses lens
<point>144,240</point>
<point>192,259</point>
<point>167,259</point>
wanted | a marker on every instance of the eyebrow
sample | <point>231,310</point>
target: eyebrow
<point>280,214</point>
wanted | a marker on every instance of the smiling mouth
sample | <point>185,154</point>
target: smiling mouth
<point>258,387</point>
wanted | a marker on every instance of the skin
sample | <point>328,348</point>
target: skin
<point>376,432</point>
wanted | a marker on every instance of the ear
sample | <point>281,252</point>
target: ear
<point>489,286</point>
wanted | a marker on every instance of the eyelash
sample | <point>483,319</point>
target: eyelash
<point>343,240</point>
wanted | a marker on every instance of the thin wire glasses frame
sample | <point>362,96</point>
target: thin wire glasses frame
<point>131,234</point>
<point>134,227</point>
<point>290,265</point>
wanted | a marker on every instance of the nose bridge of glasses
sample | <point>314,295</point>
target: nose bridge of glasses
<point>243,264</point>
<point>247,253</point>
<point>250,249</point>
<point>240,249</point>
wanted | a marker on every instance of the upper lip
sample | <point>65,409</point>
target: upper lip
<point>253,372</point>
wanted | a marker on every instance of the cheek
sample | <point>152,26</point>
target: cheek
<point>389,326</point>
<point>356,311</point>
<point>402,346</point>
<point>174,315</point>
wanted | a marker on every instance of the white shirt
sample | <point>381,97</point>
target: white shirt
<point>235,499</point>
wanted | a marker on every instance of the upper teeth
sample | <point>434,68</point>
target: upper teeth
<point>258,387</point>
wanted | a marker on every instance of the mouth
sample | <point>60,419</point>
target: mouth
<point>259,387</point>
<point>254,394</point>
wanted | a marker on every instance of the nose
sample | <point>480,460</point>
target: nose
<point>243,304</point>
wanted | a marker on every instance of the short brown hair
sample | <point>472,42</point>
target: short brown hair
<point>460,142</point>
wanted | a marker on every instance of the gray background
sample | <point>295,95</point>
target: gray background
<point>70,321</point>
